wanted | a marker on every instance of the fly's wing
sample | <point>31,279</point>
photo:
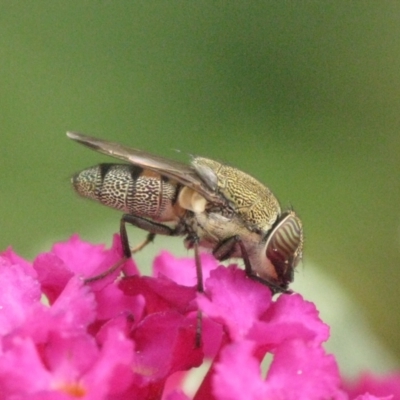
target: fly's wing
<point>182,173</point>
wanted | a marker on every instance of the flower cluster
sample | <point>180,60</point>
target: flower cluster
<point>135,337</point>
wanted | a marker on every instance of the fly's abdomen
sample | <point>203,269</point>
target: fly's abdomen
<point>129,188</point>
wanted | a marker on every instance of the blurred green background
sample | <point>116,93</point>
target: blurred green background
<point>305,96</point>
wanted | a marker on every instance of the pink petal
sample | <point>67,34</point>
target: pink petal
<point>20,291</point>
<point>75,308</point>
<point>211,335</point>
<point>237,374</point>
<point>234,300</point>
<point>53,274</point>
<point>80,368</point>
<point>375,385</point>
<point>160,294</point>
<point>111,302</point>
<point>368,396</point>
<point>14,259</point>
<point>183,270</point>
<point>289,317</point>
<point>302,370</point>
<point>84,259</point>
<point>79,256</point>
<point>176,395</point>
<point>173,384</point>
<point>49,395</point>
<point>112,371</point>
<point>165,343</point>
<point>71,313</point>
<point>68,357</point>
<point>298,371</point>
<point>21,370</point>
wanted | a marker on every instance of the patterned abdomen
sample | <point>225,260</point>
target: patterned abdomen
<point>129,188</point>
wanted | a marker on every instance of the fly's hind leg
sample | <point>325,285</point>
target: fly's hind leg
<point>159,229</point>
<point>153,229</point>
<point>149,239</point>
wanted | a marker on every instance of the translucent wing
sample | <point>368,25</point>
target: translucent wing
<point>182,173</point>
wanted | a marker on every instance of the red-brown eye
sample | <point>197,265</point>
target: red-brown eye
<point>284,246</point>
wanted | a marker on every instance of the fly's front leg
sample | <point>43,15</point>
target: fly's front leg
<point>224,251</point>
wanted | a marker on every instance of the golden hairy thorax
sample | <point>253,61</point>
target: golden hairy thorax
<point>253,201</point>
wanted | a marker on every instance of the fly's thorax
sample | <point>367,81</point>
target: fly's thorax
<point>254,202</point>
<point>209,228</point>
<point>213,228</point>
<point>131,189</point>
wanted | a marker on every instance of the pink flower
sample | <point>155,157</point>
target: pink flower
<point>289,328</point>
<point>136,337</point>
<point>385,387</point>
<point>20,293</point>
<point>298,371</point>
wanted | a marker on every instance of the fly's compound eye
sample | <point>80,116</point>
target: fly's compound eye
<point>284,246</point>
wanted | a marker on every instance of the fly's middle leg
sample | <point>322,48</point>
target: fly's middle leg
<point>200,287</point>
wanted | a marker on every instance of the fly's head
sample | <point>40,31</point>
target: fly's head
<point>284,247</point>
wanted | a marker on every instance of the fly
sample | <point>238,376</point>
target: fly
<point>211,205</point>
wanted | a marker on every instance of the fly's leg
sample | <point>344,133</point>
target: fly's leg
<point>107,272</point>
<point>199,270</point>
<point>224,251</point>
<point>200,288</point>
<point>149,239</point>
<point>152,227</point>
<point>159,229</point>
